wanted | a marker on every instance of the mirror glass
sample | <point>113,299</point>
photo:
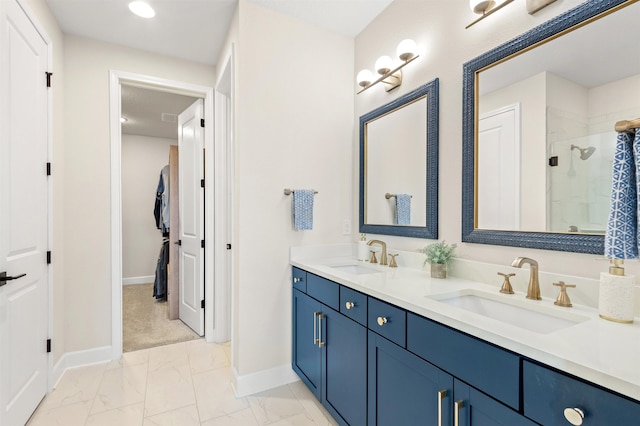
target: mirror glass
<point>538,131</point>
<point>399,166</point>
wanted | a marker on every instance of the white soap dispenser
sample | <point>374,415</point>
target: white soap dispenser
<point>616,302</point>
<point>363,250</point>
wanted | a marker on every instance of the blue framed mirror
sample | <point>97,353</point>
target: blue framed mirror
<point>545,92</point>
<point>399,166</point>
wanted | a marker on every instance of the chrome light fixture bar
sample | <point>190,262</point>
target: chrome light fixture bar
<point>391,77</point>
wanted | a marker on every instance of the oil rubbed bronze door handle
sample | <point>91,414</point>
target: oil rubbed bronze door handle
<point>4,278</point>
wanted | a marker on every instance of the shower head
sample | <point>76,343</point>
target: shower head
<point>585,153</point>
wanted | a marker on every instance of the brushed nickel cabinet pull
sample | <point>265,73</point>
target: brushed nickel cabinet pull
<point>315,328</point>
<point>320,342</point>
<point>441,395</point>
<point>456,412</point>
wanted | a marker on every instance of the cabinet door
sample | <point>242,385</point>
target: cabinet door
<point>404,389</point>
<point>344,368</point>
<point>547,393</point>
<point>306,354</point>
<point>473,408</point>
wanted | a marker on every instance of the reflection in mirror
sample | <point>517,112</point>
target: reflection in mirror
<point>399,166</point>
<point>396,141</point>
<point>538,129</point>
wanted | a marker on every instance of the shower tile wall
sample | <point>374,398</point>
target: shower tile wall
<point>579,189</point>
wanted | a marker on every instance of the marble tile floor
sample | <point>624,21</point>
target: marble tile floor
<point>183,384</point>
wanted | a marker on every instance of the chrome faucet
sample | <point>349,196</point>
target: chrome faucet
<point>533,291</point>
<point>383,256</point>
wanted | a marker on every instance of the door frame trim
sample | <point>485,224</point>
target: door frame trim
<point>116,79</point>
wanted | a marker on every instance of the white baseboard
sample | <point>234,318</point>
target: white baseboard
<point>249,384</point>
<point>79,359</point>
<point>138,280</point>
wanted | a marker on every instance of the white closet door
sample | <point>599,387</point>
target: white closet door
<point>191,173</point>
<point>23,215</point>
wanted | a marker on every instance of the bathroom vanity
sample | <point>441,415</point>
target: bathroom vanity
<point>391,346</point>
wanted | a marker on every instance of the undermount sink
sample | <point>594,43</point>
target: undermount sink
<point>355,269</point>
<point>522,313</point>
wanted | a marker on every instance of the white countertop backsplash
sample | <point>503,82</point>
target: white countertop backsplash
<point>597,350</point>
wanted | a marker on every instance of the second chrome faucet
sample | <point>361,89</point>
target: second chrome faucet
<point>533,291</point>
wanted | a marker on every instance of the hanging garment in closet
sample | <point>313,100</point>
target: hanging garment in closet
<point>162,201</point>
<point>160,282</point>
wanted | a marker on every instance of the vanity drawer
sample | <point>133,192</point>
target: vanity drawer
<point>299,279</point>
<point>324,291</point>
<point>353,304</point>
<point>547,393</point>
<point>480,364</point>
<point>387,320</point>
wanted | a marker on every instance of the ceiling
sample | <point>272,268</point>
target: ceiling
<point>152,113</point>
<point>193,30</point>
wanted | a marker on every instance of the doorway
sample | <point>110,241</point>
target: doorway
<point>149,194</point>
<point>211,240</point>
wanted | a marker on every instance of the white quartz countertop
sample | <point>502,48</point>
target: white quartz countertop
<point>599,351</point>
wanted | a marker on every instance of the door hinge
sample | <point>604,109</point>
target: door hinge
<point>202,303</point>
<point>49,74</point>
<point>201,183</point>
<point>48,169</point>
<point>228,246</point>
<point>48,257</point>
<point>48,345</point>
<point>179,242</point>
<point>201,243</point>
<point>202,122</point>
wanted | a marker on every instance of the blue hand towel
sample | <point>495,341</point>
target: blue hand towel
<point>403,209</point>
<point>303,209</point>
<point>621,239</point>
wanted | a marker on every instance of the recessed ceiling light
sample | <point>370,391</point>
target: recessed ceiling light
<point>142,9</point>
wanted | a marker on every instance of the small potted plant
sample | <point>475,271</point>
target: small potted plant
<point>439,255</point>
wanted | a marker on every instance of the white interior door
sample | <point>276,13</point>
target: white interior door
<point>499,169</point>
<point>191,199</point>
<point>23,216</point>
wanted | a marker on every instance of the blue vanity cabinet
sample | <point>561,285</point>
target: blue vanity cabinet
<point>405,390</point>
<point>329,352</point>
<point>489,368</point>
<point>548,393</point>
<point>306,355</point>
<point>473,408</point>
<point>344,368</point>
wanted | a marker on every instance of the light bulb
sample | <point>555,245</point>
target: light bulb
<point>481,6</point>
<point>384,65</point>
<point>364,78</point>
<point>406,49</point>
<point>142,9</point>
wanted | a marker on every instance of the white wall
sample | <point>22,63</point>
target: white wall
<point>438,28</point>
<point>294,127</point>
<point>87,177</point>
<point>142,160</point>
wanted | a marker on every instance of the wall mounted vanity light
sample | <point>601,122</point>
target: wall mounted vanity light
<point>389,73</point>
<point>485,8</point>
<point>535,5</point>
